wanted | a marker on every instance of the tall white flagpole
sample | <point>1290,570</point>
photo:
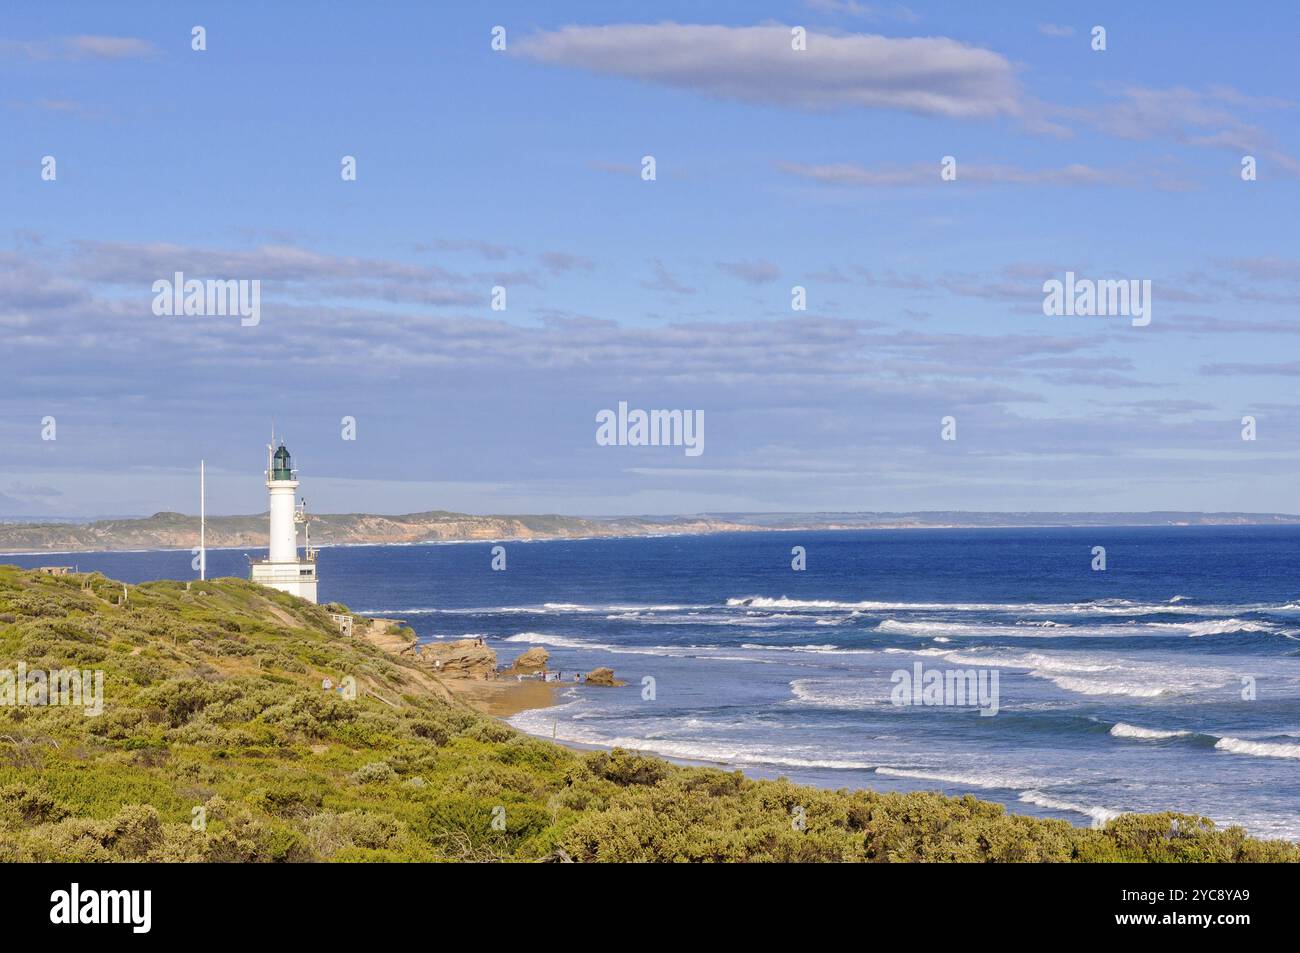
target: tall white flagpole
<point>203,524</point>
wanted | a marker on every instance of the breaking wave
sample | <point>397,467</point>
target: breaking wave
<point>1099,815</point>
<point>1122,730</point>
<point>1259,749</point>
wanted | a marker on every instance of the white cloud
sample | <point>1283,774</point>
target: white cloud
<point>852,174</point>
<point>1206,118</point>
<point>865,11</point>
<point>84,46</point>
<point>109,47</point>
<point>753,272</point>
<point>929,75</point>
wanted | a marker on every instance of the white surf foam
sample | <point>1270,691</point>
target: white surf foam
<point>1258,749</point>
<point>543,722</point>
<point>1099,815</point>
<point>757,622</point>
<point>560,641</point>
<point>1217,627</point>
<point>1086,674</point>
<point>848,694</point>
<point>1091,607</point>
<point>1011,782</point>
<point>1133,688</point>
<point>546,608</point>
<point>1122,730</point>
<point>707,653</point>
<point>1029,629</point>
<point>810,649</point>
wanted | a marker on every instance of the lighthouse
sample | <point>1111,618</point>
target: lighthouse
<point>283,569</point>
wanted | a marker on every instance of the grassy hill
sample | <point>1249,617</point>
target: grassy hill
<point>217,743</point>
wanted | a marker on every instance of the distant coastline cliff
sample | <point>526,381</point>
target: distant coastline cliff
<point>180,531</point>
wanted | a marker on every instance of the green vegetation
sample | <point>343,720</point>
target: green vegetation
<point>218,743</point>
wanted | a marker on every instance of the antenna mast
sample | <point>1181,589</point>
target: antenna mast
<point>203,522</point>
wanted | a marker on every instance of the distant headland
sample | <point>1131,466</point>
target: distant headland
<point>180,531</point>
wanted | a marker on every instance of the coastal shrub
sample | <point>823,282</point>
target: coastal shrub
<point>489,780</point>
<point>239,701</point>
<point>1174,838</point>
<point>374,772</point>
<point>134,833</point>
<point>28,804</point>
<point>430,730</point>
<point>288,799</point>
<point>327,833</point>
<point>369,729</point>
<point>624,767</point>
<point>120,723</point>
<point>280,662</point>
<point>31,604</point>
<point>141,671</point>
<point>76,655</point>
<point>527,752</point>
<point>492,732</point>
<point>179,699</point>
<point>413,760</point>
<point>287,772</point>
<point>312,714</point>
<point>462,827</point>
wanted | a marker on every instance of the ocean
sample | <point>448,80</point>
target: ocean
<point>1169,681</point>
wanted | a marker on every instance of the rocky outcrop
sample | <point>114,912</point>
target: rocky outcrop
<point>531,662</point>
<point>389,634</point>
<point>603,676</point>
<point>462,658</point>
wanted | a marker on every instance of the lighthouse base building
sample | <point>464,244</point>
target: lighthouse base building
<point>283,568</point>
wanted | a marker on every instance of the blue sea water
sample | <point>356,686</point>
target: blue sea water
<point>1122,690</point>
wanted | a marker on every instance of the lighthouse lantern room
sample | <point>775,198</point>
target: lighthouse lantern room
<point>282,568</point>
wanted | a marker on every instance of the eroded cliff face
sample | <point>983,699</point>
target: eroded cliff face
<point>460,658</point>
<point>178,531</point>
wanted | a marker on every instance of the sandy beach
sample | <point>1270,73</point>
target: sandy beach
<point>504,697</point>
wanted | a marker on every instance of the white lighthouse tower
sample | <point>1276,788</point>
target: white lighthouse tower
<point>282,569</point>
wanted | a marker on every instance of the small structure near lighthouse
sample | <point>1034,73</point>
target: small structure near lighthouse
<point>282,568</point>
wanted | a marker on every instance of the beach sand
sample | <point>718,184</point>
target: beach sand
<point>504,697</point>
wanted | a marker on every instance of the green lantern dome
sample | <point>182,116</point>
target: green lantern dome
<point>281,467</point>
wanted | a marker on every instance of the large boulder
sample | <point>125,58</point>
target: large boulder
<point>603,676</point>
<point>530,662</point>
<point>461,658</point>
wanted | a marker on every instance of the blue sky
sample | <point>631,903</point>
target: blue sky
<point>775,168</point>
